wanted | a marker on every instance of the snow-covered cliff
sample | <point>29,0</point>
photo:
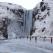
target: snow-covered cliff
<point>15,14</point>
<point>43,19</point>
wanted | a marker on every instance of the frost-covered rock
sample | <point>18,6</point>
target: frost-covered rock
<point>14,13</point>
<point>43,18</point>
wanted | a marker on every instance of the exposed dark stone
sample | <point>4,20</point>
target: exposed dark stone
<point>51,40</point>
<point>35,12</point>
<point>1,28</point>
<point>44,21</point>
<point>48,13</point>
<point>18,12</point>
<point>38,18</point>
<point>5,34</point>
<point>10,3</point>
<point>13,10</point>
<point>48,8</point>
<point>41,3</point>
<point>7,8</point>
<point>43,17</point>
<point>21,10</point>
<point>43,29</point>
<point>36,38</point>
<point>43,8</point>
<point>32,31</point>
<point>22,23</point>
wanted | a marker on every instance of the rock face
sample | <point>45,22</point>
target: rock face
<point>15,14</point>
<point>43,18</point>
<point>19,19</point>
<point>22,22</point>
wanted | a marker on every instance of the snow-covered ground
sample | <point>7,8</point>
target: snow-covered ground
<point>25,46</point>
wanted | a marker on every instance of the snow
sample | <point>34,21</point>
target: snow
<point>14,27</point>
<point>39,25</point>
<point>25,46</point>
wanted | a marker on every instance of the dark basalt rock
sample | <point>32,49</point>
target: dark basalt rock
<point>32,31</point>
<point>36,12</point>
<point>13,10</point>
<point>43,29</point>
<point>44,21</point>
<point>41,4</point>
<point>21,10</point>
<point>43,8</point>
<point>7,8</point>
<point>18,12</point>
<point>10,3</point>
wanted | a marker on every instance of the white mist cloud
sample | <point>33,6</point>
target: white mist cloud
<point>28,4</point>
